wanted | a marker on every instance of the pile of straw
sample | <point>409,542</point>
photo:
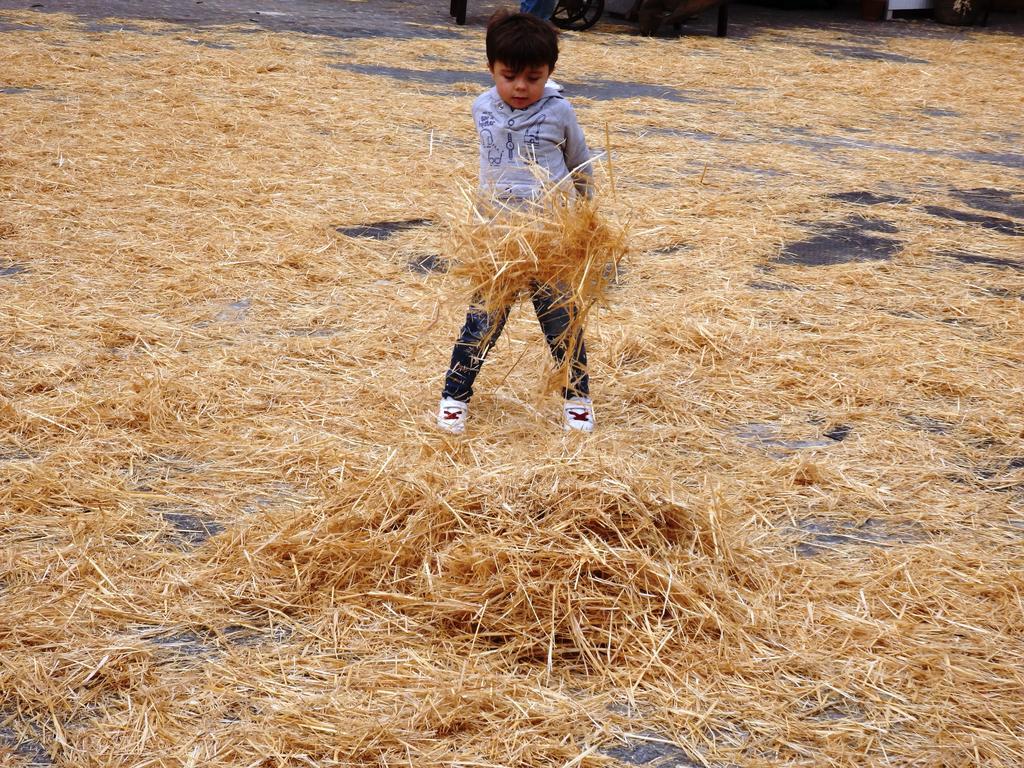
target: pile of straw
<point>231,536</point>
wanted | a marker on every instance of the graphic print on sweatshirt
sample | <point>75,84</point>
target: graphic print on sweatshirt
<point>545,135</point>
<point>532,138</point>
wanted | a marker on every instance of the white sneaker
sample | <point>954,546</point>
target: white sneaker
<point>552,83</point>
<point>579,414</point>
<point>451,415</point>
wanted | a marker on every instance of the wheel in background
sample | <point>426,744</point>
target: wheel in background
<point>577,14</point>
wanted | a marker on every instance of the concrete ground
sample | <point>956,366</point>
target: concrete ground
<point>393,18</point>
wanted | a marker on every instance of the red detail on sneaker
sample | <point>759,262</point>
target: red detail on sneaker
<point>452,414</point>
<point>579,414</point>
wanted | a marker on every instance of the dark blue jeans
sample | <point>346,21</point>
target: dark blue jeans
<point>542,8</point>
<point>481,331</point>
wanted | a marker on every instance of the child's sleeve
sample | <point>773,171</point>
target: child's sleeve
<point>577,156</point>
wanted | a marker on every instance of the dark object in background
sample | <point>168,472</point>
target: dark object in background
<point>457,8</point>
<point>577,15</point>
<point>795,5</point>
<point>964,13</point>
<point>652,14</point>
<point>872,10</point>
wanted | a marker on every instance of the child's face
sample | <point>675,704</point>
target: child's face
<point>520,89</point>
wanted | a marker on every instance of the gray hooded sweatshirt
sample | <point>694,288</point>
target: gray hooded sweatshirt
<point>545,133</point>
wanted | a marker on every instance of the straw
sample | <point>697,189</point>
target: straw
<point>555,244</point>
<point>230,534</point>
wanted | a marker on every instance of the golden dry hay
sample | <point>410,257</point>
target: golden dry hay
<point>567,246</point>
<point>555,243</point>
<point>231,536</point>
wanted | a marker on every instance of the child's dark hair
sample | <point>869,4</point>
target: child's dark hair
<point>520,41</point>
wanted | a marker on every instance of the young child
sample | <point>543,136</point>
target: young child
<point>523,123</point>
